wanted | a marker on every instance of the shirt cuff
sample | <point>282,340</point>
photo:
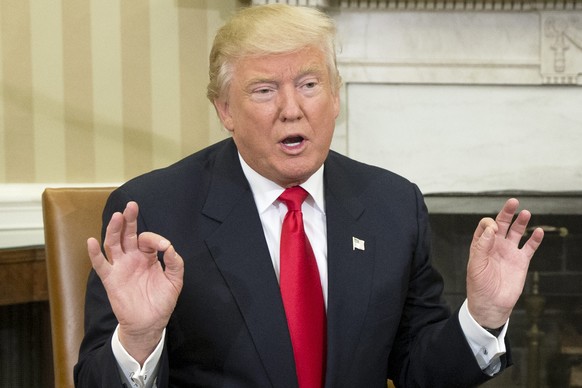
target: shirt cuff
<point>136,375</point>
<point>487,348</point>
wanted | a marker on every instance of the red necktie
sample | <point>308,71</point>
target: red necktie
<point>302,295</point>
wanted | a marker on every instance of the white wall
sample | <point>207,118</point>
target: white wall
<point>463,138</point>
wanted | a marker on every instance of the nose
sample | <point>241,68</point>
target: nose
<point>289,105</point>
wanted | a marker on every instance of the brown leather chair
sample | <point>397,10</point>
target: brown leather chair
<point>71,216</point>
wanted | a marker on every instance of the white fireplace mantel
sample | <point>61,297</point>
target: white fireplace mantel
<point>464,100</point>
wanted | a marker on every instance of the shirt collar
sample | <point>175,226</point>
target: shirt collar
<point>266,192</point>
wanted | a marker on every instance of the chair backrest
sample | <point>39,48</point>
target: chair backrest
<point>71,216</point>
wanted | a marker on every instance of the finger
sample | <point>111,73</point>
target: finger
<point>505,216</point>
<point>174,267</point>
<point>98,260</point>
<point>112,241</point>
<point>533,243</point>
<point>519,226</point>
<point>485,223</point>
<point>129,235</point>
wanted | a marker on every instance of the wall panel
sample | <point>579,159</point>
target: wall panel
<point>102,90</point>
<point>18,126</point>
<point>107,96</point>
<point>48,93</point>
<point>78,91</point>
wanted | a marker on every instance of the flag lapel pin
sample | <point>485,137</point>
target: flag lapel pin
<point>358,244</point>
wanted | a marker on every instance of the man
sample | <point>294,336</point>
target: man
<point>218,313</point>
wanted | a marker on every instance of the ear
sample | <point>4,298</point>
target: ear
<point>336,103</point>
<point>223,109</point>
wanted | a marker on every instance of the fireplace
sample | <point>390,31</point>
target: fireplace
<point>546,326</point>
<point>478,101</point>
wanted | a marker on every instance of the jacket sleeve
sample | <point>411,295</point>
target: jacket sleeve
<point>430,349</point>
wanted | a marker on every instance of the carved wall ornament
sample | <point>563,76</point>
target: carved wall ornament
<point>561,48</point>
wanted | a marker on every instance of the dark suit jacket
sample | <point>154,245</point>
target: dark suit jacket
<point>386,316</point>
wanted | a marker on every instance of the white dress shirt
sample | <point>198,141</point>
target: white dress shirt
<point>487,348</point>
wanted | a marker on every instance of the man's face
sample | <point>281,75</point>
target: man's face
<point>281,111</point>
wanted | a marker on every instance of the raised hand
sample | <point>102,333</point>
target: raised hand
<point>497,267</point>
<point>142,294</point>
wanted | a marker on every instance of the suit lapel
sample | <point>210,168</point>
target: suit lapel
<point>350,271</point>
<point>240,251</point>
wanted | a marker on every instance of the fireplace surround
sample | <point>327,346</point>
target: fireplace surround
<point>546,325</point>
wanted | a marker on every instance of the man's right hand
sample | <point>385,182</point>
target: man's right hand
<point>142,294</point>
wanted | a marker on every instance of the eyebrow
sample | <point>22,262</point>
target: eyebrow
<point>259,80</point>
<point>317,70</point>
<point>311,70</point>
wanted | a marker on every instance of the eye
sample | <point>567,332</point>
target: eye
<point>310,83</point>
<point>262,93</point>
<point>310,86</point>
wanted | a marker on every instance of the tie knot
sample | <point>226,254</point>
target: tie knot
<point>293,197</point>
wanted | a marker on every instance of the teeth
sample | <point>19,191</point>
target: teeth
<point>293,141</point>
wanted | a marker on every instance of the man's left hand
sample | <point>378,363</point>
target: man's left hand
<point>497,267</point>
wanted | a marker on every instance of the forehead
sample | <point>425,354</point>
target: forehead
<point>306,61</point>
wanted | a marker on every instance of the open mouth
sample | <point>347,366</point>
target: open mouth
<point>293,141</point>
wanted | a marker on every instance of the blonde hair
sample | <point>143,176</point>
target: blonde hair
<point>265,30</point>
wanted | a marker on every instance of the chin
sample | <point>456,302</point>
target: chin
<point>296,179</point>
<point>294,171</point>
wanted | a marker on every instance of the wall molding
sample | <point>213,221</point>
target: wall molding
<point>460,5</point>
<point>303,3</point>
<point>438,5</point>
<point>21,215</point>
<point>21,223</point>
